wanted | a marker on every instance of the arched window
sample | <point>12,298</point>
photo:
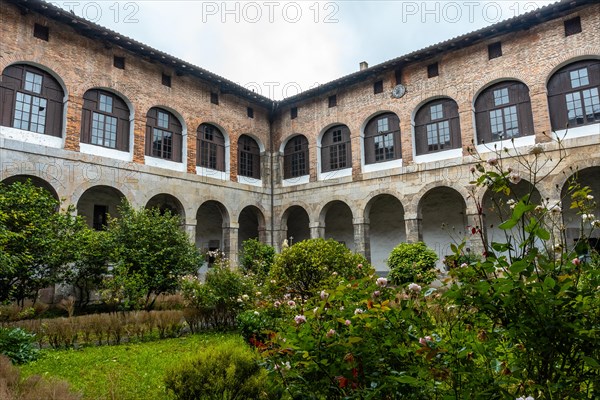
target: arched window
<point>295,157</point>
<point>503,111</point>
<point>437,127</point>
<point>105,120</point>
<point>31,99</point>
<point>335,149</point>
<point>210,145</point>
<point>163,135</point>
<point>573,95</point>
<point>382,139</point>
<point>248,157</point>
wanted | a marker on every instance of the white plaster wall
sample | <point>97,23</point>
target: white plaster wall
<point>338,224</point>
<point>298,225</point>
<point>248,226</point>
<point>442,206</point>
<point>209,226</point>
<point>387,230</point>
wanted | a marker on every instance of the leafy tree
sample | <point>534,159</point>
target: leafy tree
<point>33,237</point>
<point>412,262</point>
<point>257,259</point>
<point>90,255</point>
<point>307,264</point>
<point>150,252</point>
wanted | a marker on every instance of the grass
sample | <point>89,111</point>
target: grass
<point>124,372</point>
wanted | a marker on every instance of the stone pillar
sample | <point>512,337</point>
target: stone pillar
<point>279,235</point>
<point>555,220</point>
<point>476,222</point>
<point>316,230</point>
<point>190,228</point>
<point>414,229</point>
<point>362,240</point>
<point>230,243</point>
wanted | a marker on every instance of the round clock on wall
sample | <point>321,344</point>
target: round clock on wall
<point>398,91</point>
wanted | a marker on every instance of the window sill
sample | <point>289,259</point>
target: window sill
<point>31,137</point>
<point>519,142</point>
<point>299,180</point>
<point>382,165</point>
<point>577,132</point>
<point>212,173</point>
<point>440,155</point>
<point>100,151</point>
<point>340,173</point>
<point>166,164</point>
<point>249,181</point>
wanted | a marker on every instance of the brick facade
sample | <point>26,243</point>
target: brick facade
<point>81,63</point>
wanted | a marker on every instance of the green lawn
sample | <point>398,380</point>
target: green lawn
<point>124,372</point>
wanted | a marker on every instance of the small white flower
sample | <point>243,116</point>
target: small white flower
<point>413,287</point>
<point>514,178</point>
<point>245,297</point>
<point>358,311</point>
<point>555,209</point>
<point>315,310</point>
<point>324,295</point>
<point>588,217</point>
<point>342,308</point>
<point>511,203</point>
<point>381,282</point>
<point>596,223</point>
<point>256,313</point>
<point>589,197</point>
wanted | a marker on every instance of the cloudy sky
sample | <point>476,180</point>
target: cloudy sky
<point>282,47</point>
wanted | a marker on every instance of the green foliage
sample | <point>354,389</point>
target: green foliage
<point>355,339</point>
<point>18,345</point>
<point>151,253</point>
<point>226,371</point>
<point>34,240</point>
<point>131,371</point>
<point>304,266</point>
<point>256,259</point>
<point>86,272</point>
<point>224,293</point>
<point>412,262</point>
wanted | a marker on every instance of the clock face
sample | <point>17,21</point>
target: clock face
<point>398,91</point>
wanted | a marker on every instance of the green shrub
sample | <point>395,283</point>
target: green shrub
<point>226,371</point>
<point>307,264</point>
<point>412,262</point>
<point>17,345</point>
<point>224,293</point>
<point>257,259</point>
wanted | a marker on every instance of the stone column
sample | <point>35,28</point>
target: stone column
<point>316,230</point>
<point>476,222</point>
<point>230,243</point>
<point>362,240</point>
<point>190,228</point>
<point>413,226</point>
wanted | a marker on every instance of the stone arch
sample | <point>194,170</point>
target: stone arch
<point>385,215</point>
<point>99,202</point>
<point>164,202</point>
<point>496,210</point>
<point>337,219</point>
<point>212,217</point>
<point>35,180</point>
<point>295,221</point>
<point>572,218</point>
<point>252,225</point>
<point>443,212</point>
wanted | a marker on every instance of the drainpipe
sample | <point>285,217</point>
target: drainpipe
<point>272,179</point>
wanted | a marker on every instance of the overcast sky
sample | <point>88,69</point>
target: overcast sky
<point>282,47</point>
